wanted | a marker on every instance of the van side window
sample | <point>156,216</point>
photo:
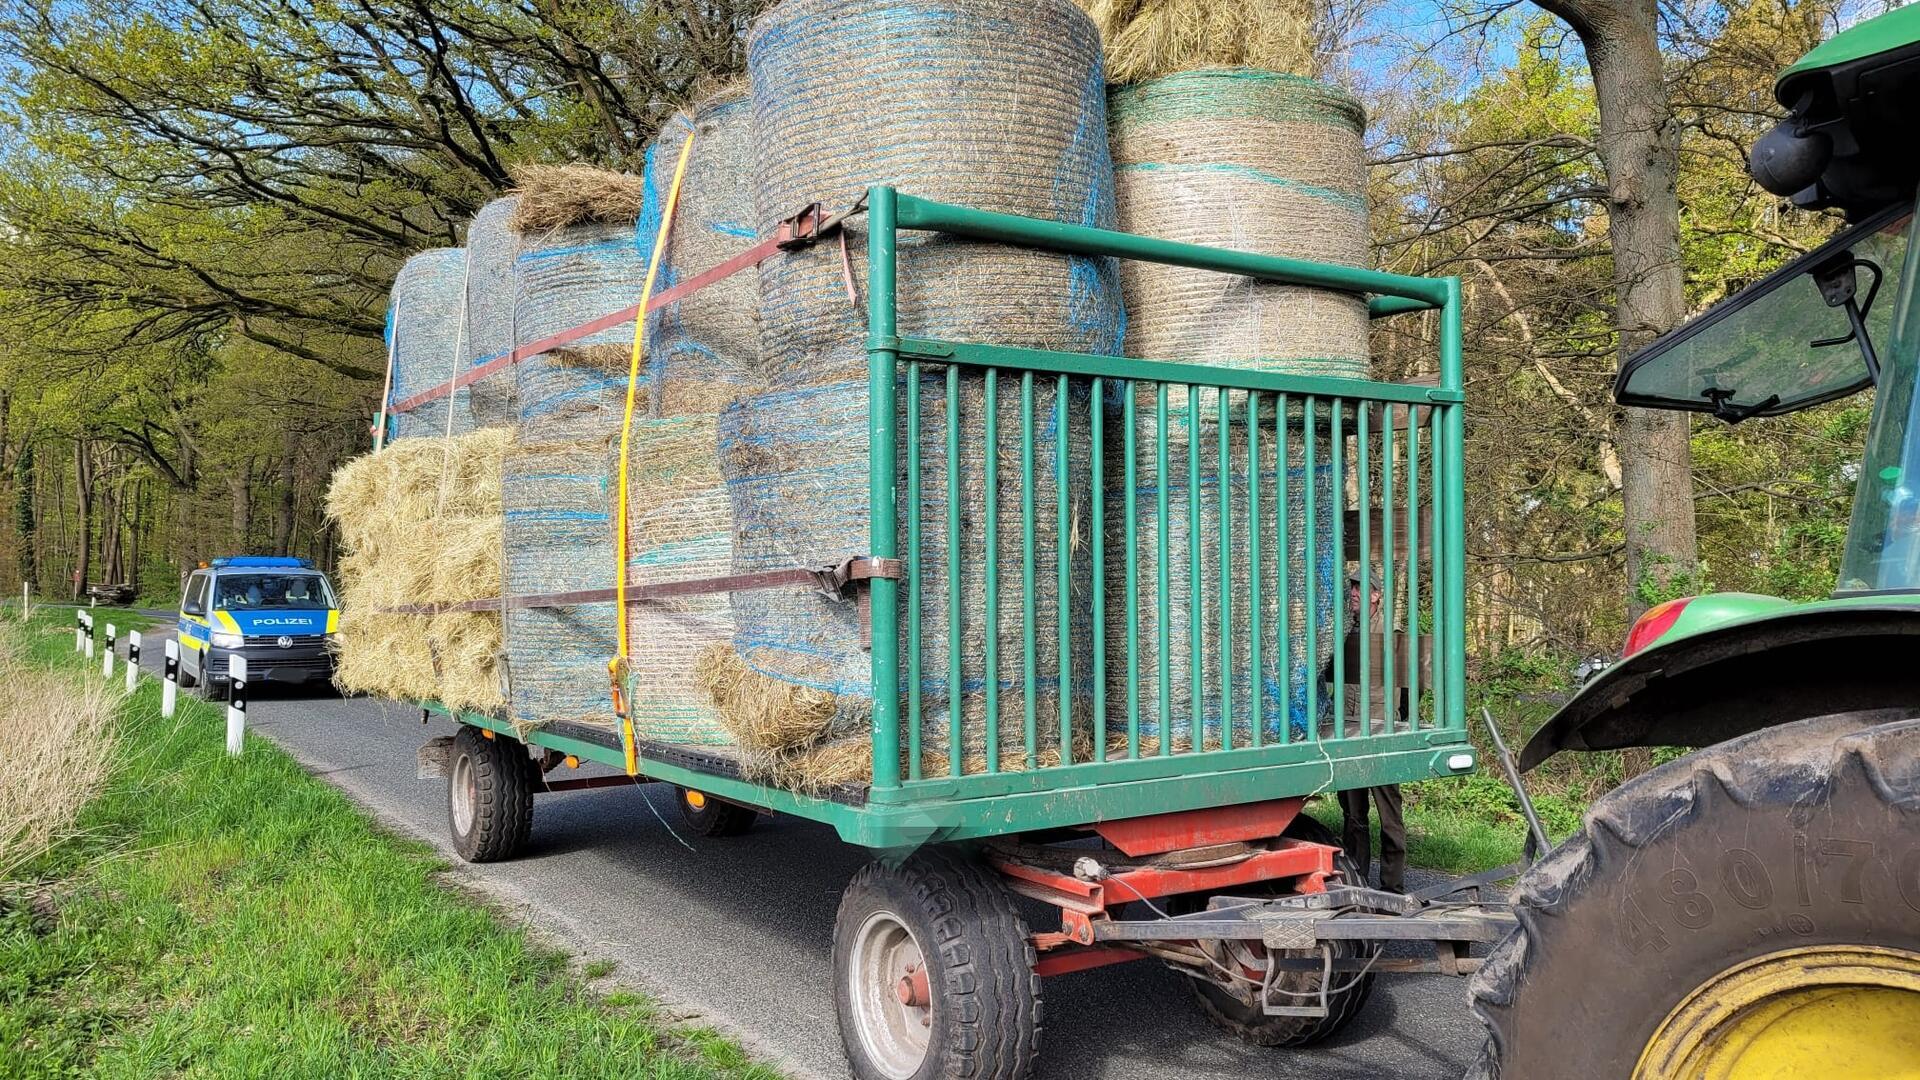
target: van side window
<point>197,593</point>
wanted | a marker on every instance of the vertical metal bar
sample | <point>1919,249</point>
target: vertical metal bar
<point>1224,425</point>
<point>1338,515</point>
<point>1390,578</point>
<point>1129,444</point>
<point>955,566</point>
<point>1310,480</point>
<point>1029,624</point>
<point>1283,640</point>
<point>1063,563</point>
<point>1452,523</point>
<point>1096,416</point>
<point>915,612</point>
<point>1257,671</point>
<point>1365,450</point>
<point>1196,606</point>
<point>1166,578</point>
<point>991,614</point>
<point>1413,570</point>
<point>882,364</point>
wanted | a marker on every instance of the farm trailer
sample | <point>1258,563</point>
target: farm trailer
<point>1198,856</point>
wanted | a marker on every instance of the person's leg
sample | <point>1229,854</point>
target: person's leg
<point>1354,835</point>
<point>1393,838</point>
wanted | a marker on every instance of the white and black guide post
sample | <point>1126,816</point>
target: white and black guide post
<point>86,636</point>
<point>79,631</point>
<point>170,679</point>
<point>106,658</point>
<point>133,658</point>
<point>236,703</point>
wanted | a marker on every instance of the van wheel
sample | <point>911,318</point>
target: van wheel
<point>709,816</point>
<point>490,785</point>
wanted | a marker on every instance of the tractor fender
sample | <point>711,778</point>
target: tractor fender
<point>1726,681</point>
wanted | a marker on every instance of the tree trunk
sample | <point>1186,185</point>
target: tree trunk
<point>83,545</point>
<point>1639,148</point>
<point>24,520</point>
<point>283,514</point>
<point>240,488</point>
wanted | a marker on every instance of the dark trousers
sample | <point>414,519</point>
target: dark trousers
<point>1354,836</point>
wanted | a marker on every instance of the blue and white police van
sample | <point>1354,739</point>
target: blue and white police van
<point>277,612</point>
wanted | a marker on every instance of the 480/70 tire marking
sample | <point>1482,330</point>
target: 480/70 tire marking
<point>1679,897</point>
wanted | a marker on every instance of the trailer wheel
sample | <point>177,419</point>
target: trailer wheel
<point>1750,909</point>
<point>709,816</point>
<point>490,786</point>
<point>933,973</point>
<point>1344,1001</point>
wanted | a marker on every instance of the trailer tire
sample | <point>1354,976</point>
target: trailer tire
<point>943,915</point>
<point>711,817</point>
<point>1765,880</point>
<point>1252,1025</point>
<point>490,784</point>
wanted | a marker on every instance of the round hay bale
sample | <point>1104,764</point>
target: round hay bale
<point>679,528</point>
<point>998,104</point>
<point>492,245</point>
<point>703,351</point>
<point>558,538</point>
<point>572,271</point>
<point>1254,161</point>
<point>429,320</point>
<point>1147,39</point>
<point>800,498</point>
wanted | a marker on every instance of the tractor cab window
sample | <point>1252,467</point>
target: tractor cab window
<point>1809,332</point>
<point>1883,539</point>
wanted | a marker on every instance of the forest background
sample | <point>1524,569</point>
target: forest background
<point>204,202</point>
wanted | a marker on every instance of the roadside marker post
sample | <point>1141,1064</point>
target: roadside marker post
<point>133,658</point>
<point>236,703</point>
<point>79,630</point>
<point>170,679</point>
<point>106,654</point>
<point>87,635</point>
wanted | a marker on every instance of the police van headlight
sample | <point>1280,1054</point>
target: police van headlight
<point>223,640</point>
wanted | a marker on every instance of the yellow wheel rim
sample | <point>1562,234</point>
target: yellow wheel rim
<point>1823,1011</point>
<point>696,800</point>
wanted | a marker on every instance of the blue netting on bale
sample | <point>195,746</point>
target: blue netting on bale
<point>799,499</point>
<point>492,247</point>
<point>991,103</point>
<point>1273,164</point>
<point>565,277</point>
<point>429,331</point>
<point>998,104</point>
<point>703,351</point>
<point>558,537</point>
<point>680,528</point>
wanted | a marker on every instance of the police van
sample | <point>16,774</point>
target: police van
<point>277,612</point>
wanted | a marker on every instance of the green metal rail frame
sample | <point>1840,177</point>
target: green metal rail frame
<point>907,810</point>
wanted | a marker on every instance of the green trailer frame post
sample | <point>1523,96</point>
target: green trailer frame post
<point>909,807</point>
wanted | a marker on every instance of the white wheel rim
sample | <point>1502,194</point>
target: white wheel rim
<point>462,794</point>
<point>886,968</point>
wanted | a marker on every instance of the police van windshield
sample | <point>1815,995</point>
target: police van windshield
<point>266,592</point>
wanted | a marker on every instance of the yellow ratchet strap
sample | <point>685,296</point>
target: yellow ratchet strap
<point>617,667</point>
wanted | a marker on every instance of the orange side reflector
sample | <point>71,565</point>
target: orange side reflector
<point>486,733</point>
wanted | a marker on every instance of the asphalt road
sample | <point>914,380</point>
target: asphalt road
<point>736,933</point>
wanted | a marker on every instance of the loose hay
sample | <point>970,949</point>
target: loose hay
<point>762,713</point>
<point>558,196</point>
<point>1146,39</point>
<point>421,524</point>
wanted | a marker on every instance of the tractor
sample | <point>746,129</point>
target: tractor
<point>1752,909</point>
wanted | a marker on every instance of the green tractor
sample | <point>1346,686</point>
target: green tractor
<point>1753,909</point>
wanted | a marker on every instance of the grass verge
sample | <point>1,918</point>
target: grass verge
<point>236,917</point>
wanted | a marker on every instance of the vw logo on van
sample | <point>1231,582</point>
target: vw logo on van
<point>286,642</point>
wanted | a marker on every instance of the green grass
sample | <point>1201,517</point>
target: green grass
<point>225,917</point>
<point>1466,824</point>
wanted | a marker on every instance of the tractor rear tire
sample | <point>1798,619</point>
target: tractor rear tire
<point>490,786</point>
<point>1773,876</point>
<point>1350,992</point>
<point>933,973</point>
